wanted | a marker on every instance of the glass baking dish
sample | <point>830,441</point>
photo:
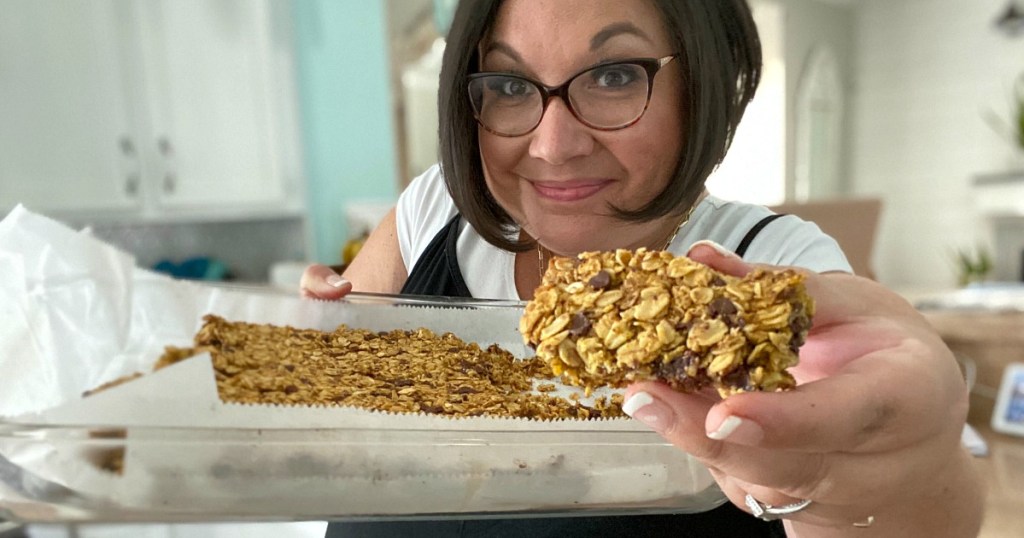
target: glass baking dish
<point>51,473</point>
<point>85,314</point>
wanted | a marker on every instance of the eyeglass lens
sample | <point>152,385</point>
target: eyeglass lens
<point>605,97</point>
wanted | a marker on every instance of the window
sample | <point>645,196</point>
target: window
<point>754,170</point>
<point>818,114</point>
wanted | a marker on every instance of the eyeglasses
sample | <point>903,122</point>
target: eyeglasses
<point>607,96</point>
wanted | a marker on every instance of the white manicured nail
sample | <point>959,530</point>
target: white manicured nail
<point>739,431</point>
<point>635,402</point>
<point>718,248</point>
<point>336,280</point>
<point>726,428</point>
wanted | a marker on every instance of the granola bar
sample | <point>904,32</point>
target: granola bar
<point>612,318</point>
<point>397,371</point>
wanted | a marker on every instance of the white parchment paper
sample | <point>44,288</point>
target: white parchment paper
<point>76,312</point>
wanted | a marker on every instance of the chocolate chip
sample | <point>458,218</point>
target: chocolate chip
<point>291,389</point>
<point>717,281</point>
<point>580,325</point>
<point>601,280</point>
<point>402,382</point>
<point>722,307</point>
<point>289,367</point>
<point>465,390</point>
<point>676,372</point>
<point>799,322</point>
<point>739,378</point>
<point>467,367</point>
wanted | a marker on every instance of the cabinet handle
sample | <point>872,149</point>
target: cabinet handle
<point>131,185</point>
<point>165,147</point>
<point>127,146</point>
<point>130,162</point>
<point>170,183</point>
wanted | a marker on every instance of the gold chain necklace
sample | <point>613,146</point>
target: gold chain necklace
<point>675,232</point>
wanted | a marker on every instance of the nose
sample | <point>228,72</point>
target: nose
<point>560,137</point>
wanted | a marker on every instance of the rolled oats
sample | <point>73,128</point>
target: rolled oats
<point>397,371</point>
<point>657,316</point>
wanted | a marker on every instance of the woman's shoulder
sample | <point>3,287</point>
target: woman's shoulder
<point>725,222</point>
<point>729,211</point>
<point>783,240</point>
<point>423,209</point>
<point>426,191</point>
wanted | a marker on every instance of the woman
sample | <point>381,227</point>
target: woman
<point>580,125</point>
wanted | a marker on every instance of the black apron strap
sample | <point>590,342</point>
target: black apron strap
<point>749,238</point>
<point>437,270</point>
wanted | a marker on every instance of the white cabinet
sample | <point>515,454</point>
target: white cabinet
<point>67,127</point>
<point>155,109</point>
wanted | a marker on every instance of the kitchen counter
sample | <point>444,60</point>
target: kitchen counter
<point>986,342</point>
<point>1003,472</point>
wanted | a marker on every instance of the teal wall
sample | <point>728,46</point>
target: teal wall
<point>345,102</point>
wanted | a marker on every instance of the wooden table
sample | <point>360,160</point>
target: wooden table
<point>1003,471</point>
<point>991,341</point>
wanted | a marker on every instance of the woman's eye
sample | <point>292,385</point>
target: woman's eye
<point>509,87</point>
<point>615,76</point>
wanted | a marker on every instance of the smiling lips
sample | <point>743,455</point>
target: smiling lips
<point>570,190</point>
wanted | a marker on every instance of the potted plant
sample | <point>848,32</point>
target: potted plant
<point>972,266</point>
<point>1012,130</point>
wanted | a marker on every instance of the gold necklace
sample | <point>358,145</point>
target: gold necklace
<point>675,232</point>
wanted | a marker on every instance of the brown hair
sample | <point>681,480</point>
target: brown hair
<point>720,56</point>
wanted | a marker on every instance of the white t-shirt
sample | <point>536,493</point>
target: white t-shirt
<point>425,207</point>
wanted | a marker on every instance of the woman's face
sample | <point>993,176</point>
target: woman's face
<point>559,180</point>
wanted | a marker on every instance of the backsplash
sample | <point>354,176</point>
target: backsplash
<point>248,248</point>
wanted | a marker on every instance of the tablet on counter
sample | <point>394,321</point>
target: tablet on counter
<point>1008,415</point>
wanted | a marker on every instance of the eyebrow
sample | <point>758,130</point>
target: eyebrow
<point>616,29</point>
<point>498,46</point>
<point>599,39</point>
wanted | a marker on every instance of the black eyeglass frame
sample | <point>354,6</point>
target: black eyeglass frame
<point>650,65</point>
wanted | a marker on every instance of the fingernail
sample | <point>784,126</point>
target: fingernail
<point>737,430</point>
<point>336,280</point>
<point>718,248</point>
<point>652,412</point>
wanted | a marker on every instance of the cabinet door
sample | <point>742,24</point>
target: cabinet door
<point>208,77</point>
<point>66,116</point>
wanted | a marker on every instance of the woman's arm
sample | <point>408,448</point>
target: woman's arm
<point>871,433</point>
<point>377,268</point>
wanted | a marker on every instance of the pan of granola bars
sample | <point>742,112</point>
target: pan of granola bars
<point>128,396</point>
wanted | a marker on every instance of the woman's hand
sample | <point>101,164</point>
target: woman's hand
<point>871,433</point>
<point>377,268</point>
<point>321,282</point>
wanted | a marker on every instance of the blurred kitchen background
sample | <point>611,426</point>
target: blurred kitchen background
<point>242,139</point>
<point>224,139</point>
